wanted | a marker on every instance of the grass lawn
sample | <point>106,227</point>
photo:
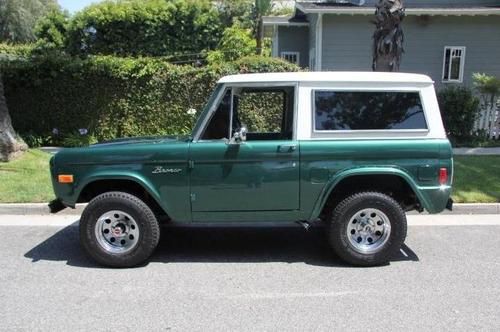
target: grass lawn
<point>477,179</point>
<point>26,179</point>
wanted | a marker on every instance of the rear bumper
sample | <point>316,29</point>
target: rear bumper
<point>436,199</point>
<point>449,205</point>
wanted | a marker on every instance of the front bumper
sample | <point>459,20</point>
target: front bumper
<point>56,206</point>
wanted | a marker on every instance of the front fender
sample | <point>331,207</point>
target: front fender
<point>72,198</point>
<point>425,199</point>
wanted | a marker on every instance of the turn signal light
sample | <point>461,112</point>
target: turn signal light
<point>65,178</point>
<point>443,176</point>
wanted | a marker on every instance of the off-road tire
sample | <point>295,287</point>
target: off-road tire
<point>149,229</point>
<point>346,209</point>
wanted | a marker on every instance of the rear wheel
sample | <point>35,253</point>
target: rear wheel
<point>367,228</point>
<point>119,230</point>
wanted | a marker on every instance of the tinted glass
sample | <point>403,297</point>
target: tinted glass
<point>368,110</point>
<point>218,127</point>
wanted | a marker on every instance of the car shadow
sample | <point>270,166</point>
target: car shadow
<point>215,245</point>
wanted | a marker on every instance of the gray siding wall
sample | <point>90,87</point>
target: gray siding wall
<point>294,39</point>
<point>347,44</point>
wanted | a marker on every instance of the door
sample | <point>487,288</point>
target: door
<point>259,174</point>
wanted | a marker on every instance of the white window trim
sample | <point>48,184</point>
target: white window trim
<point>462,64</point>
<point>361,131</point>
<point>297,54</point>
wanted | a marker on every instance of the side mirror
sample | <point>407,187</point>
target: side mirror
<point>239,136</point>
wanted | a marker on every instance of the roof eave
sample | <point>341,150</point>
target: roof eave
<point>408,11</point>
<point>268,21</point>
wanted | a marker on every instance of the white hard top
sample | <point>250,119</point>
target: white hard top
<point>338,76</point>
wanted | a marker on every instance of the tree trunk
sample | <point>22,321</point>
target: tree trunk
<point>388,37</point>
<point>259,35</point>
<point>10,146</point>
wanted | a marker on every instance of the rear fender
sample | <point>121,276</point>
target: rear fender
<point>337,178</point>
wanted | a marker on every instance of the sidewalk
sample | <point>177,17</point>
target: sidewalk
<point>43,209</point>
<point>477,151</point>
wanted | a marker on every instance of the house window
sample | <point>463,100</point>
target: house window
<point>453,64</point>
<point>293,57</point>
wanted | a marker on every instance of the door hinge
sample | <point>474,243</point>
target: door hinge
<point>190,164</point>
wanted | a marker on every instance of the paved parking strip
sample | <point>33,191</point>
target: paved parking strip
<point>446,277</point>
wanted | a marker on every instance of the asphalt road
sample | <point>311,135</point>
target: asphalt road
<point>446,277</point>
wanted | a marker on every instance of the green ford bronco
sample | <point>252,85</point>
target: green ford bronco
<point>353,150</point>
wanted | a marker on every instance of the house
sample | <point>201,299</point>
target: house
<point>445,39</point>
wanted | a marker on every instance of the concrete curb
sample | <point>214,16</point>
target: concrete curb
<point>36,209</point>
<point>43,209</point>
<point>481,208</point>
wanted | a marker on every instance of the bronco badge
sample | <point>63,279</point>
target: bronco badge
<point>162,170</point>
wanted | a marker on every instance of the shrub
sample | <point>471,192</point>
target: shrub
<point>459,109</point>
<point>51,29</point>
<point>113,97</point>
<point>16,50</point>
<point>235,43</point>
<point>77,139</point>
<point>148,28</point>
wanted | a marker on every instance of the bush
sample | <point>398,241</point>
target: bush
<point>15,50</point>
<point>75,140</point>
<point>459,109</point>
<point>235,43</point>
<point>113,97</point>
<point>147,28</point>
<point>51,29</point>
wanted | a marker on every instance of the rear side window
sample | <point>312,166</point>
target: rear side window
<point>368,110</point>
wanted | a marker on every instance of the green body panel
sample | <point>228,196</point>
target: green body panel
<point>230,182</point>
<point>255,181</point>
<point>136,160</point>
<point>337,160</point>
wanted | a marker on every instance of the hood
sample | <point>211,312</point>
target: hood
<point>140,140</point>
<point>124,150</point>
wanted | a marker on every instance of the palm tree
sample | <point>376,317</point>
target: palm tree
<point>261,8</point>
<point>10,145</point>
<point>388,36</point>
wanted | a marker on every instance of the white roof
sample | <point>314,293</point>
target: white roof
<point>375,77</point>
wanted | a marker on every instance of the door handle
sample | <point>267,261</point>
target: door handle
<point>287,148</point>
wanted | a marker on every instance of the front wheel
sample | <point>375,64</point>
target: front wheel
<point>118,229</point>
<point>367,228</point>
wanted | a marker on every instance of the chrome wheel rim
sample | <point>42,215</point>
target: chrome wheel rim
<point>117,232</point>
<point>368,230</point>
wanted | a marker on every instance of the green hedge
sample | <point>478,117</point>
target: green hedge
<point>459,109</point>
<point>112,97</point>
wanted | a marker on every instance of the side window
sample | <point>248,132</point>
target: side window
<point>218,126</point>
<point>266,112</point>
<point>453,64</point>
<point>343,110</point>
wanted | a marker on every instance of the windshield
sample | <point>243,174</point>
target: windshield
<point>206,109</point>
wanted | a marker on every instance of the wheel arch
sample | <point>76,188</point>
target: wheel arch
<point>382,179</point>
<point>98,184</point>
